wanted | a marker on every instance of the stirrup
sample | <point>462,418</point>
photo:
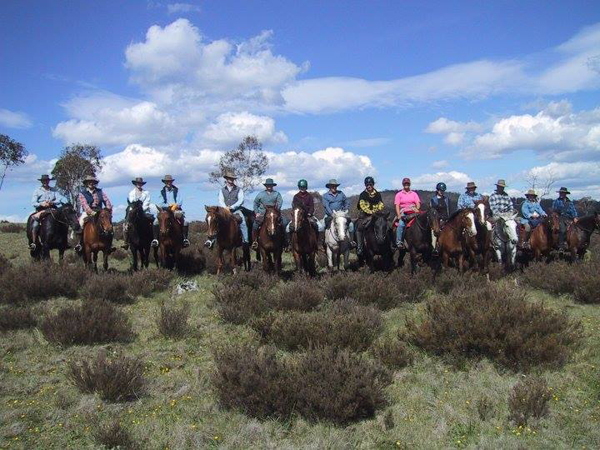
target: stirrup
<point>78,248</point>
<point>154,243</point>
<point>32,246</point>
<point>255,245</point>
<point>186,243</point>
<point>209,243</point>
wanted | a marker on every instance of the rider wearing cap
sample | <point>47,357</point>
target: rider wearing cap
<point>532,213</point>
<point>369,203</point>
<point>440,203</point>
<point>43,200</point>
<point>91,200</point>
<point>171,198</point>
<point>137,194</point>
<point>567,213</point>
<point>407,204</point>
<point>268,197</point>
<point>500,201</point>
<point>468,199</point>
<point>303,199</point>
<point>335,200</point>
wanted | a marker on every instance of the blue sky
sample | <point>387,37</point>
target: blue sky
<point>448,91</point>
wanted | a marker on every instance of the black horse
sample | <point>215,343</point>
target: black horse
<point>378,241</point>
<point>139,234</point>
<point>418,238</point>
<point>54,230</point>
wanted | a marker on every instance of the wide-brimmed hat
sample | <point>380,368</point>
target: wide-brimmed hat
<point>228,173</point>
<point>138,180</point>
<point>90,179</point>
<point>269,182</point>
<point>501,183</point>
<point>471,184</point>
<point>167,178</point>
<point>45,177</point>
<point>332,182</point>
<point>530,192</point>
<point>563,189</point>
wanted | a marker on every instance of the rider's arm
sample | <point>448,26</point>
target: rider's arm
<point>365,206</point>
<point>35,199</point>
<point>311,206</point>
<point>222,199</point>
<point>240,201</point>
<point>107,201</point>
<point>572,210</point>
<point>461,202</point>
<point>84,205</point>
<point>327,205</point>
<point>345,205</point>
<point>279,201</point>
<point>257,203</point>
<point>525,210</point>
<point>146,202</point>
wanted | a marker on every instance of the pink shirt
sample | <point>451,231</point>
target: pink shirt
<point>406,199</point>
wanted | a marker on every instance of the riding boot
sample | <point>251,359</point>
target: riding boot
<point>79,247</point>
<point>523,242</point>
<point>186,241</point>
<point>562,244</point>
<point>254,239</point>
<point>359,241</point>
<point>35,226</point>
<point>125,246</point>
<point>155,234</point>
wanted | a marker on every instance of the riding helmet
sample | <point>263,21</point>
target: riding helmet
<point>440,187</point>
<point>303,184</point>
<point>369,180</point>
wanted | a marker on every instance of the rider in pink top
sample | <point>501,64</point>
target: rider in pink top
<point>407,202</point>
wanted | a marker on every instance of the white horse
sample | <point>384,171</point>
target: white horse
<point>505,239</point>
<point>337,240</point>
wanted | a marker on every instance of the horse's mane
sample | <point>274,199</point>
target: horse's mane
<point>456,213</point>
<point>220,211</point>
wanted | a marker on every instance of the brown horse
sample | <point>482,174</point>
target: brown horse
<point>304,241</point>
<point>170,241</point>
<point>418,237</point>
<point>579,234</point>
<point>97,237</point>
<point>452,240</point>
<point>479,247</point>
<point>271,240</point>
<point>222,225</point>
<point>544,237</point>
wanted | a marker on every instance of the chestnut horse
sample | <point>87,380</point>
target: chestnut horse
<point>544,237</point>
<point>271,240</point>
<point>418,238</point>
<point>222,225</point>
<point>304,241</point>
<point>579,234</point>
<point>452,240</point>
<point>479,247</point>
<point>97,237</point>
<point>170,240</point>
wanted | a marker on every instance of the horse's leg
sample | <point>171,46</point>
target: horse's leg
<point>105,255</point>
<point>461,262</point>
<point>401,255</point>
<point>219,259</point>
<point>61,254</point>
<point>95,253</point>
<point>234,260</point>
<point>134,254</point>
<point>413,260</point>
<point>297,260</point>
<point>265,259</point>
<point>330,260</point>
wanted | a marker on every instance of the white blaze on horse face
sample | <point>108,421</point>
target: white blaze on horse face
<point>472,229</point>
<point>510,229</point>
<point>296,213</point>
<point>481,208</point>
<point>272,223</point>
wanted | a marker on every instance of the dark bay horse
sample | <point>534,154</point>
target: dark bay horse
<point>97,237</point>
<point>139,236</point>
<point>378,241</point>
<point>544,238</point>
<point>452,240</point>
<point>418,238</point>
<point>579,234</point>
<point>222,225</point>
<point>271,240</point>
<point>170,239</point>
<point>304,241</point>
<point>54,230</point>
<point>479,247</point>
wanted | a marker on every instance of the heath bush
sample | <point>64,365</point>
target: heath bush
<point>172,320</point>
<point>17,318</point>
<point>529,400</point>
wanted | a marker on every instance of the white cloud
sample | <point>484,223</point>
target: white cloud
<point>179,8</point>
<point>455,180</point>
<point>580,177</point>
<point>440,164</point>
<point>230,128</point>
<point>11,119</point>
<point>446,126</point>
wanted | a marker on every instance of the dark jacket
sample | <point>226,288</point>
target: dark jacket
<point>441,205</point>
<point>304,200</point>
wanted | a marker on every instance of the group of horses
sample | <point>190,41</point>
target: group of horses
<point>469,238</point>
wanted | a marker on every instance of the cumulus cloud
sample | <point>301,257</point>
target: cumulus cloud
<point>580,177</point>
<point>230,128</point>
<point>455,180</point>
<point>182,8</point>
<point>12,119</point>
<point>446,126</point>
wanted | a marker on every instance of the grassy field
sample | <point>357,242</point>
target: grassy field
<point>431,404</point>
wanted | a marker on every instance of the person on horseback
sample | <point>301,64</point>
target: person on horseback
<point>44,199</point>
<point>532,213</point>
<point>91,200</point>
<point>231,197</point>
<point>407,204</point>
<point>500,202</point>
<point>268,197</point>
<point>468,199</point>
<point>172,199</point>
<point>137,194</point>
<point>303,199</point>
<point>336,200</point>
<point>567,214</point>
<point>369,203</point>
<point>440,203</point>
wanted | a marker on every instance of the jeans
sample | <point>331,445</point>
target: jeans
<point>243,228</point>
<point>400,230</point>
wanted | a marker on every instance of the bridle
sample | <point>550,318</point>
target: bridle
<point>334,229</point>
<point>101,229</point>
<point>212,220</point>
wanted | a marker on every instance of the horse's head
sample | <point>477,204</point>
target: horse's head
<point>165,221</point>
<point>480,211</point>
<point>554,224</point>
<point>136,210</point>
<point>104,221</point>
<point>467,221</point>
<point>212,221</point>
<point>508,226</point>
<point>380,227</point>
<point>597,220</point>
<point>339,225</point>
<point>272,220</point>
<point>70,216</point>
<point>433,219</point>
<point>298,217</point>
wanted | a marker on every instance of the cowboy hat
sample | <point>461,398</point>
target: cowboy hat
<point>90,179</point>
<point>269,182</point>
<point>471,184</point>
<point>167,178</point>
<point>45,178</point>
<point>563,189</point>
<point>228,173</point>
<point>530,192</point>
<point>138,180</point>
<point>332,182</point>
<point>501,183</point>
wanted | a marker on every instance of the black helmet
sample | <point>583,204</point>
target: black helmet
<point>369,180</point>
<point>440,187</point>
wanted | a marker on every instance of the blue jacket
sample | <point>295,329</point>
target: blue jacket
<point>565,208</point>
<point>264,199</point>
<point>528,208</point>
<point>41,195</point>
<point>338,202</point>
<point>468,201</point>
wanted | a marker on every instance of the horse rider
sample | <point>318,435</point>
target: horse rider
<point>137,194</point>
<point>407,204</point>
<point>441,204</point>
<point>469,197</point>
<point>231,197</point>
<point>336,200</point>
<point>369,203</point>
<point>44,199</point>
<point>303,199</point>
<point>171,199</point>
<point>268,197</point>
<point>567,213</point>
<point>532,213</point>
<point>91,200</point>
<point>500,202</point>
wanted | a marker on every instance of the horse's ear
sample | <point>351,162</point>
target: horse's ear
<point>207,208</point>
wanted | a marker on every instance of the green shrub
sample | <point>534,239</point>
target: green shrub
<point>495,322</point>
<point>112,435</point>
<point>237,303</point>
<point>144,283</point>
<point>393,353</point>
<point>529,400</point>
<point>4,264</point>
<point>193,261</point>
<point>587,282</point>
<point>16,318</point>
<point>119,254</point>
<point>296,296</point>
<point>12,228</point>
<point>558,277</point>
<point>172,321</point>
<point>109,287</point>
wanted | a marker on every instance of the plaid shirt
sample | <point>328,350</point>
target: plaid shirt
<point>89,208</point>
<point>500,203</point>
